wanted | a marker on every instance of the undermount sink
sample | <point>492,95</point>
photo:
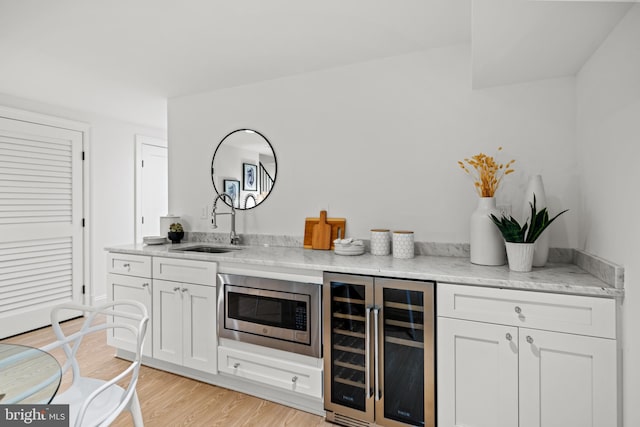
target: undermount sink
<point>206,249</point>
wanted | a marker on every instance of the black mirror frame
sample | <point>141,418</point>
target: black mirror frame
<point>214,157</point>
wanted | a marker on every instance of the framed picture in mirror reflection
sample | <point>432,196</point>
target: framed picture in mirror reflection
<point>232,188</point>
<point>249,177</point>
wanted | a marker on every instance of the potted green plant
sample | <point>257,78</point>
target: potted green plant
<point>520,239</point>
<point>176,232</point>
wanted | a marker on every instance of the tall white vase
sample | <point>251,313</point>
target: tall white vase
<point>486,242</point>
<point>541,251</point>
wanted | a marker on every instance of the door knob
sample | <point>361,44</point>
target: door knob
<point>529,339</point>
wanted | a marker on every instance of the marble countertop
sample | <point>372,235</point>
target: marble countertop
<point>554,277</point>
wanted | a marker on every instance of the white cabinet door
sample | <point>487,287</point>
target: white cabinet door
<point>133,288</point>
<point>199,327</point>
<point>567,380</point>
<point>477,374</point>
<point>167,321</point>
<point>184,329</point>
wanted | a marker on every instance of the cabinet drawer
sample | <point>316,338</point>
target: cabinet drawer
<point>274,372</point>
<point>131,265</point>
<point>555,312</point>
<point>184,270</point>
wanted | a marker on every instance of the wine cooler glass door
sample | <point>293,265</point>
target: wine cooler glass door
<point>404,320</point>
<point>348,335</point>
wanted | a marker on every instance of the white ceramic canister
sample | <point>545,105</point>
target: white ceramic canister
<point>403,246</point>
<point>380,242</point>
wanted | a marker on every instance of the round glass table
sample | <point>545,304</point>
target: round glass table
<point>27,375</point>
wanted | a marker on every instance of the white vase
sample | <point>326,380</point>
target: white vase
<point>541,251</point>
<point>485,241</point>
<point>520,256</point>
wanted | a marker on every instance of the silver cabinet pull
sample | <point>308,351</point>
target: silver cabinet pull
<point>508,336</point>
<point>367,353</point>
<point>176,289</point>
<point>236,365</point>
<point>518,309</point>
<point>184,289</point>
<point>529,339</point>
<point>145,285</point>
<point>127,265</point>
<point>294,379</point>
<point>376,373</point>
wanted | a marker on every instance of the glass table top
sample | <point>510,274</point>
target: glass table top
<point>27,375</point>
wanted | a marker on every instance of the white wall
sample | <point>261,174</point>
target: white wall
<point>111,160</point>
<point>608,99</point>
<point>378,143</point>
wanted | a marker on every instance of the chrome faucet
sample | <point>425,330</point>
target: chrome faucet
<point>234,239</point>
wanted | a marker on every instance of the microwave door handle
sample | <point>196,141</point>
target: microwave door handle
<point>367,352</point>
<point>376,354</point>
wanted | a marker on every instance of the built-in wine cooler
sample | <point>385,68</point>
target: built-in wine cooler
<point>378,351</point>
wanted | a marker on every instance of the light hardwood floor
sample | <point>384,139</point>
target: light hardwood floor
<point>171,400</point>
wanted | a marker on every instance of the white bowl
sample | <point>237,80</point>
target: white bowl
<point>154,240</point>
<point>341,249</point>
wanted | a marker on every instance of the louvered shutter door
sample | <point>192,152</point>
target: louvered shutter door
<point>40,222</point>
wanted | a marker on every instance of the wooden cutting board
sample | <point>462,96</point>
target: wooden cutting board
<point>321,235</point>
<point>338,230</point>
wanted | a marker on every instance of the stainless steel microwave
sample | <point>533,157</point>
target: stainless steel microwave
<point>280,314</point>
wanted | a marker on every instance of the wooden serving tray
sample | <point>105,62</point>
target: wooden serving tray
<point>337,225</point>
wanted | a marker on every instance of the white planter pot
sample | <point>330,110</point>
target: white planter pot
<point>520,256</point>
<point>485,241</point>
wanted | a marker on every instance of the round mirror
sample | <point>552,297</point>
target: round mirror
<point>244,166</point>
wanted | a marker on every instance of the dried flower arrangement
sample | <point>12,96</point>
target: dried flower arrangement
<point>486,173</point>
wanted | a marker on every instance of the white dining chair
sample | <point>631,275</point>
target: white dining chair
<point>96,402</point>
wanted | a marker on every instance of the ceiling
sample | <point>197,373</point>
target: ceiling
<point>516,41</point>
<point>125,58</point>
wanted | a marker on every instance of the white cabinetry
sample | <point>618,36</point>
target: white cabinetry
<point>129,277</point>
<point>184,313</point>
<point>518,358</point>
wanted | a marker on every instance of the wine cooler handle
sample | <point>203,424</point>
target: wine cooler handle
<point>367,352</point>
<point>376,348</point>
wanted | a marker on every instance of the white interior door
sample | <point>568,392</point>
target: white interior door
<point>41,214</point>
<point>152,184</point>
